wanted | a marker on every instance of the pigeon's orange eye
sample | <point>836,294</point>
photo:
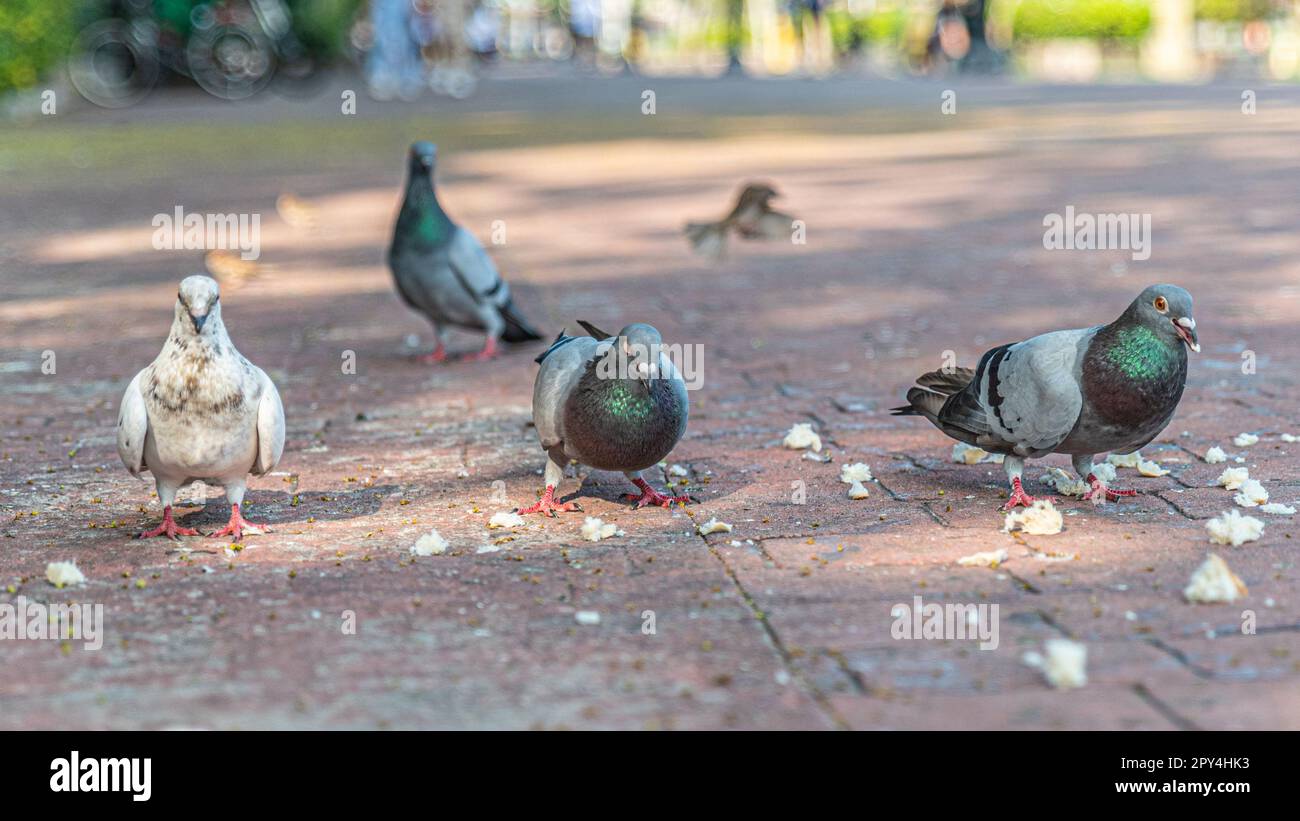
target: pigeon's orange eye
<point>1161,304</point>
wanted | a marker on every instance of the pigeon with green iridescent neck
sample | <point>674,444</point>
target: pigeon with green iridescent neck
<point>442,271</point>
<point>611,402</point>
<point>1109,388</point>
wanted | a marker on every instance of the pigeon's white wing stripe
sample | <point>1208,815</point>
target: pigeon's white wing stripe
<point>132,427</point>
<point>475,268</point>
<point>270,427</point>
<point>1031,393</point>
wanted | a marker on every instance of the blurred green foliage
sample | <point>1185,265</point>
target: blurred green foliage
<point>34,37</point>
<point>1226,11</point>
<point>322,25</point>
<point>1093,19</point>
<point>849,32</point>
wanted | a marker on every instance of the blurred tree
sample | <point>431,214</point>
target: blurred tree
<point>34,37</point>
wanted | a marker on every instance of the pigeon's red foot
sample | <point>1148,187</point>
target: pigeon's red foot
<point>1098,492</point>
<point>549,506</point>
<point>489,352</point>
<point>650,496</point>
<point>237,525</point>
<point>439,355</point>
<point>1020,498</point>
<point>168,528</point>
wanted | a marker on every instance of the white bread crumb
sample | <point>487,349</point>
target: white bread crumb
<point>63,574</point>
<point>963,453</point>
<point>1214,582</point>
<point>678,470</point>
<point>988,558</point>
<point>1125,460</point>
<point>802,436</point>
<point>1245,440</point>
<point>1215,455</point>
<point>713,526</point>
<point>1064,665</point>
<point>1064,483</point>
<point>1252,494</point>
<point>430,544</point>
<point>1286,437</point>
<point>1233,478</point>
<point>505,519</point>
<point>593,530</point>
<point>857,490</point>
<point>1041,519</point>
<point>1105,472</point>
<point>1234,529</point>
<point>857,472</point>
<point>1149,468</point>
<point>587,617</point>
<point>1278,509</point>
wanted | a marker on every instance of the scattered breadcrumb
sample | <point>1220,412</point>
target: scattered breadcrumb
<point>678,470</point>
<point>1064,665</point>
<point>713,526</point>
<point>1125,460</point>
<point>857,490</point>
<point>1063,483</point>
<point>587,617</point>
<point>1214,582</point>
<point>802,436</point>
<point>1149,468</point>
<point>1233,478</point>
<point>1245,440</point>
<point>1252,494</point>
<point>856,472</point>
<point>1233,528</point>
<point>814,456</point>
<point>963,453</point>
<point>1287,437</point>
<point>505,519</point>
<point>1278,509</point>
<point>1215,455</point>
<point>1040,519</point>
<point>430,544</point>
<point>988,558</point>
<point>62,574</point>
<point>593,530</point>
<point>1105,472</point>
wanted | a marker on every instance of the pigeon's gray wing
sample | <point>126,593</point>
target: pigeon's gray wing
<point>1030,392</point>
<point>132,427</point>
<point>270,427</point>
<point>475,269</point>
<point>561,368</point>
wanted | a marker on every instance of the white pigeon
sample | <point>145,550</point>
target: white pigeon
<point>200,412</point>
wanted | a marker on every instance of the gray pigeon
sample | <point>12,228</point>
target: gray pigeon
<point>200,412</point>
<point>1082,392</point>
<point>442,271</point>
<point>612,403</point>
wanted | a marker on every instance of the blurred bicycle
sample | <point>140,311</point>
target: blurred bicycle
<point>231,48</point>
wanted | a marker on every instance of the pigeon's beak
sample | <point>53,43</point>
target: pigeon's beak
<point>1186,327</point>
<point>198,322</point>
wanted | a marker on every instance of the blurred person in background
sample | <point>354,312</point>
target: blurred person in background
<point>394,66</point>
<point>812,35</point>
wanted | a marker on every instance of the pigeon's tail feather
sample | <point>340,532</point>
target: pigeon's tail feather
<point>947,382</point>
<point>517,328</point>
<point>560,339</point>
<point>708,239</point>
<point>922,402</point>
<point>596,333</point>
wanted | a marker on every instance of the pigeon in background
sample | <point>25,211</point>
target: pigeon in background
<point>200,412</point>
<point>1082,392</point>
<point>443,272</point>
<point>612,403</point>
<point>752,218</point>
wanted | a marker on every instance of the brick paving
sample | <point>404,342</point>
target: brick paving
<point>924,235</point>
